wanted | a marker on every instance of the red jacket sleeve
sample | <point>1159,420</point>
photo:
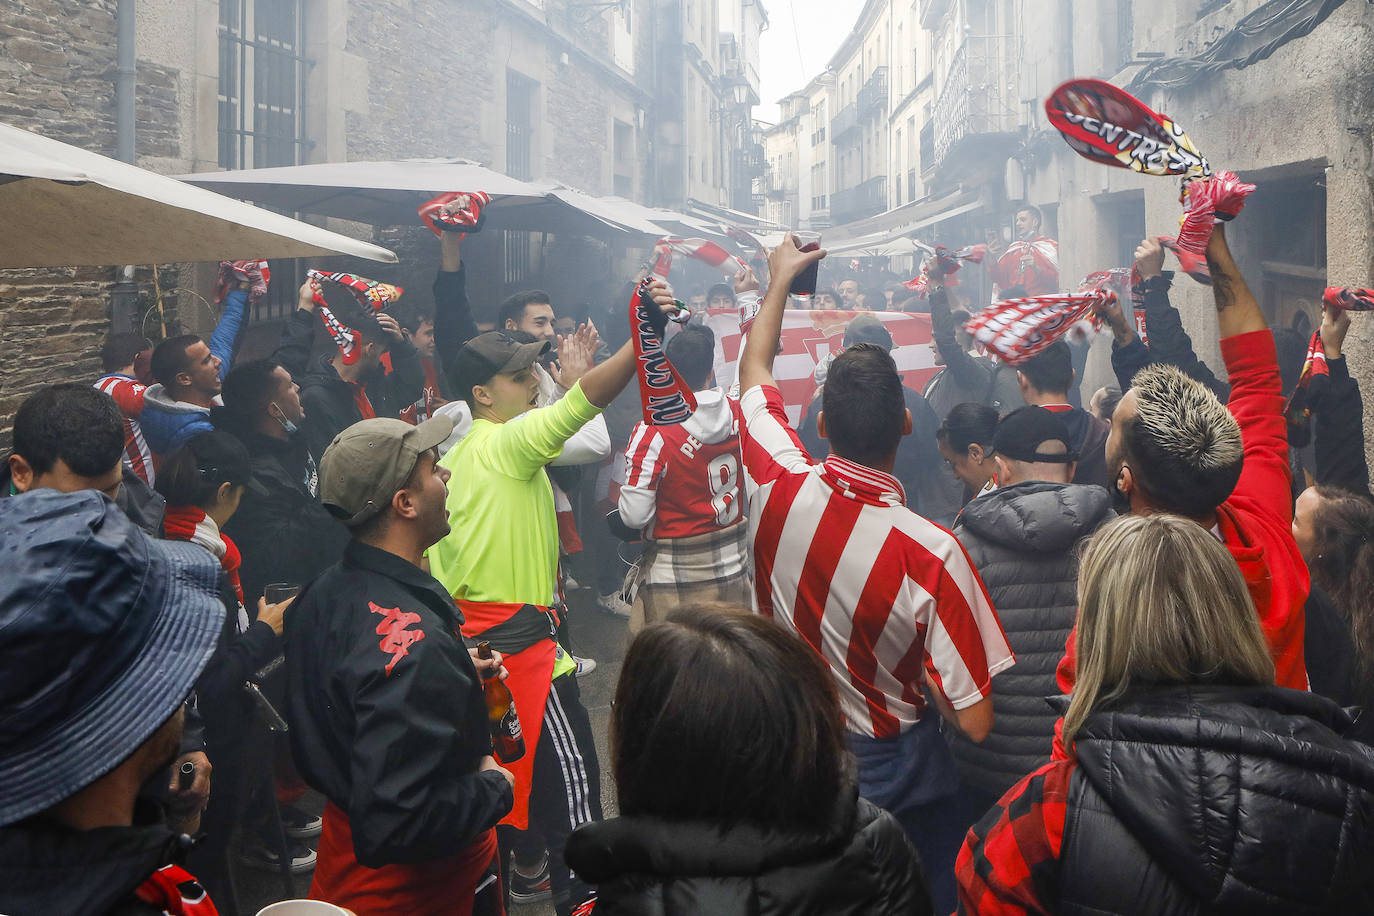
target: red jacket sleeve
<point>1256,522</point>
<point>1266,482</point>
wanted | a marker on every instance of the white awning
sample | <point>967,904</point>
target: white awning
<point>387,193</point>
<point>65,206</point>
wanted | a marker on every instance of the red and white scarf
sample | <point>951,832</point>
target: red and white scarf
<point>191,524</point>
<point>372,297</point>
<point>464,220</point>
<point>1208,202</point>
<point>231,273</point>
<point>698,249</point>
<point>948,263</point>
<point>1016,329</point>
<point>1350,299</point>
<point>666,398</point>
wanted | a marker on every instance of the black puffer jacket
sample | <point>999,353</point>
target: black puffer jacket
<point>862,863</point>
<point>1023,540</point>
<point>1211,799</point>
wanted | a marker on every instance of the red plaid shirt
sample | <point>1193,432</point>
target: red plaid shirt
<point>1009,864</point>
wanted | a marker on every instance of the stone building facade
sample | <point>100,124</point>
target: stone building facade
<point>967,81</point>
<point>563,90</point>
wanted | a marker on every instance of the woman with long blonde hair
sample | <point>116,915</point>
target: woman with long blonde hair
<point>1193,784</point>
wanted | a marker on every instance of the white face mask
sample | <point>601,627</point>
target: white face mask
<point>286,424</point>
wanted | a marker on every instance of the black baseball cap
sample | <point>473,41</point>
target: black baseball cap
<point>1020,434</point>
<point>493,353</point>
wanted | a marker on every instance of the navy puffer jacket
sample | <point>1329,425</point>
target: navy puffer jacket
<point>1023,540</point>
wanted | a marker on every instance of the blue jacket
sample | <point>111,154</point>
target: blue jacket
<point>168,424</point>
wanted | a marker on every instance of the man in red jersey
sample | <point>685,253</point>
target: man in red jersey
<point>684,487</point>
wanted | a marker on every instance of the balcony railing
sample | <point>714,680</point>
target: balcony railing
<point>873,96</point>
<point>976,98</point>
<point>843,123</point>
<point>866,199</point>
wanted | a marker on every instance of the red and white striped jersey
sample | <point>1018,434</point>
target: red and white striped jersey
<point>685,480</point>
<point>889,599</point>
<point>128,396</point>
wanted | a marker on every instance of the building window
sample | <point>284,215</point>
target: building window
<point>520,110</point>
<point>261,83</point>
<point>1125,32</point>
<point>521,105</point>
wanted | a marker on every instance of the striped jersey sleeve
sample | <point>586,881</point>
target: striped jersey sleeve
<point>644,465</point>
<point>770,446</point>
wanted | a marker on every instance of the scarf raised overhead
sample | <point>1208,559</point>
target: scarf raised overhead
<point>666,398</point>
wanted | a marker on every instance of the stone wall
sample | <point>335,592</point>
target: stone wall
<point>390,79</point>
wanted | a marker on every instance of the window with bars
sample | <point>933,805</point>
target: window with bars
<point>262,73</point>
<point>521,106</point>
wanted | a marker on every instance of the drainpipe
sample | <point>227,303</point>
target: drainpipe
<point>124,294</point>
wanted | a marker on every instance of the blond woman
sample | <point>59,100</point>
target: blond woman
<point>1193,784</point>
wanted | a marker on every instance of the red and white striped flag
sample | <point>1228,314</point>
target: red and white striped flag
<point>809,337</point>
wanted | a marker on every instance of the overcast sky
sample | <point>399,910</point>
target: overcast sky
<point>818,27</point>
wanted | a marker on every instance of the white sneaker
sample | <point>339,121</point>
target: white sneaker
<point>614,604</point>
<point>571,585</point>
<point>584,665</point>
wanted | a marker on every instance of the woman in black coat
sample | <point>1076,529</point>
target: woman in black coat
<point>1192,785</point>
<point>736,792</point>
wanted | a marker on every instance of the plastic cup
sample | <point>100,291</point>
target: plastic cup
<point>303,908</point>
<point>277,592</point>
<point>804,284</point>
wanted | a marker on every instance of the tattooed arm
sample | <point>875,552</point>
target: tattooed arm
<point>1237,310</point>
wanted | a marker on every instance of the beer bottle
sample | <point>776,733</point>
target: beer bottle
<point>506,736</point>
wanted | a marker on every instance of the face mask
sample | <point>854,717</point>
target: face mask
<point>286,424</point>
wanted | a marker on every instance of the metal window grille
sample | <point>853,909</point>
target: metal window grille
<point>261,83</point>
<point>262,73</point>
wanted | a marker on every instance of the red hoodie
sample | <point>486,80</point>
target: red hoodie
<point>1256,522</point>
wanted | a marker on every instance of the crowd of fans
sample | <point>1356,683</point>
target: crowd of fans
<point>969,648</point>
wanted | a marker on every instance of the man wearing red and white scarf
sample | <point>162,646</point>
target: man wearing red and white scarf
<point>1032,261</point>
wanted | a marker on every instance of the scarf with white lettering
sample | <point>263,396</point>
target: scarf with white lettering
<point>666,398</point>
<point>1108,125</point>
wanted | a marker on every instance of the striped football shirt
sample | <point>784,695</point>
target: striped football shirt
<point>889,599</point>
